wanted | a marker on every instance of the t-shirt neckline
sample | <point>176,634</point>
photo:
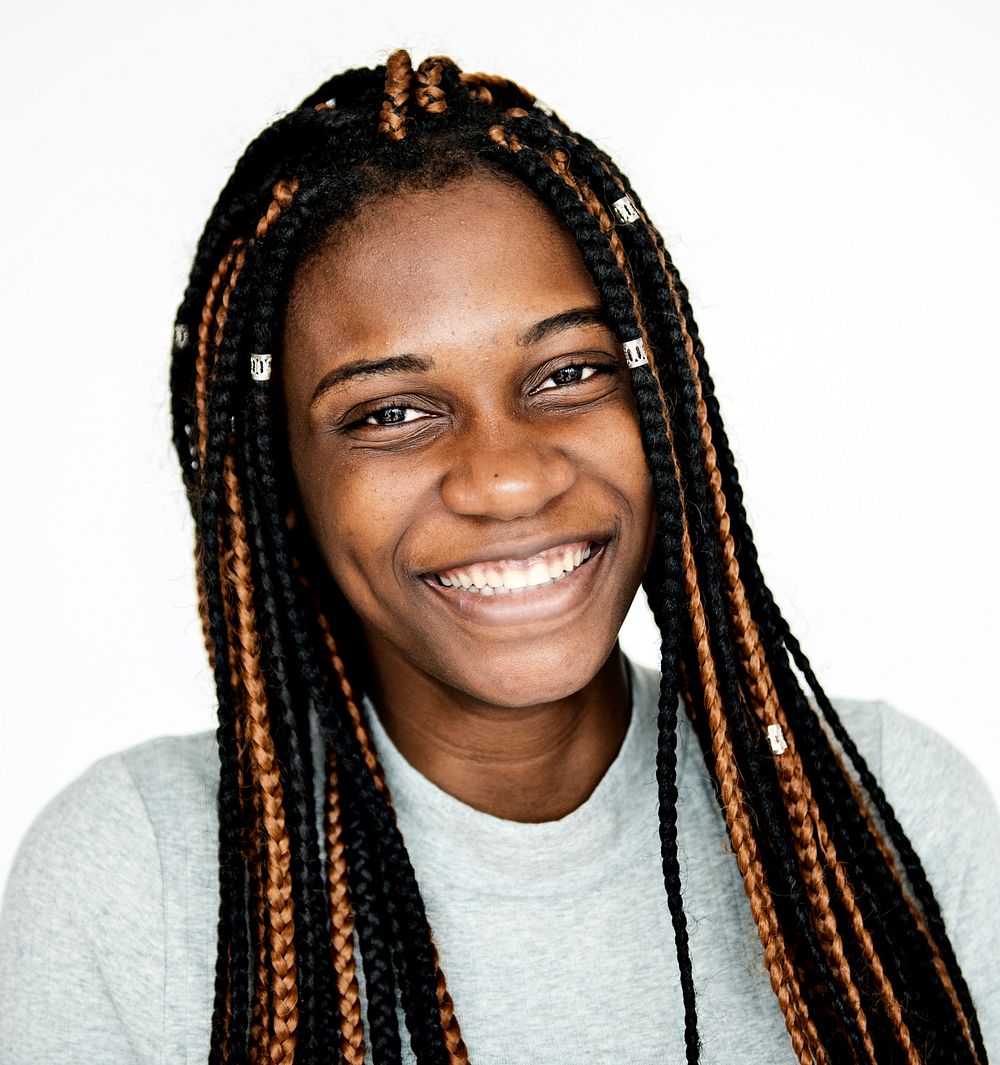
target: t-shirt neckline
<point>613,825</point>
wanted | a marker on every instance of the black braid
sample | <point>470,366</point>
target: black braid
<point>231,1011</point>
<point>665,592</point>
<point>756,767</point>
<point>365,888</point>
<point>293,747</point>
<point>371,922</point>
<point>233,972</point>
<point>382,1026</point>
<point>821,766</point>
<point>782,637</point>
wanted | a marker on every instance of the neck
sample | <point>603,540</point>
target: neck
<point>531,764</point>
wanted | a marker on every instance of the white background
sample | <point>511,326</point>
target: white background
<point>827,178</point>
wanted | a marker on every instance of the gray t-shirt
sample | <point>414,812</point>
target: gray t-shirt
<point>555,937</point>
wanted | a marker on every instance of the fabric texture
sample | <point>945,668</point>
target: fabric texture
<point>555,937</point>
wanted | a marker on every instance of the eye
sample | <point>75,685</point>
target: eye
<point>567,375</point>
<point>396,415</point>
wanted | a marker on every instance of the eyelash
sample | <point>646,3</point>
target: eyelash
<point>364,420</point>
<point>571,366</point>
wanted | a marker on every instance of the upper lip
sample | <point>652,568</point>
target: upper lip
<point>519,550</point>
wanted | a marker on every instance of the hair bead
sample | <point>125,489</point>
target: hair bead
<point>776,738</point>
<point>625,210</point>
<point>182,336</point>
<point>260,367</point>
<point>635,353</point>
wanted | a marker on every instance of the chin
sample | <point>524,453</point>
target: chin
<point>530,677</point>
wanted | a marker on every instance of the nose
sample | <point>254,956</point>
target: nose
<point>505,473</point>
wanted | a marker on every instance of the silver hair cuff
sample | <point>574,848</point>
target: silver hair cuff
<point>260,367</point>
<point>776,738</point>
<point>181,335</point>
<point>635,353</point>
<point>625,210</point>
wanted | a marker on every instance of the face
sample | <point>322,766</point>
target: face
<point>465,443</point>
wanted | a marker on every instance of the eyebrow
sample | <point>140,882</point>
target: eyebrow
<point>370,368</point>
<point>573,319</point>
<point>556,323</point>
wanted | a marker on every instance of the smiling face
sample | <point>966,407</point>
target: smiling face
<point>465,445</point>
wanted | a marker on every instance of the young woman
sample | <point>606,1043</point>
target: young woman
<point>441,409</point>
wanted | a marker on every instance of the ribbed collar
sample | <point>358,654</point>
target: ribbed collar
<point>616,825</point>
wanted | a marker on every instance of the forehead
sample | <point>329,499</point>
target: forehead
<point>420,267</point>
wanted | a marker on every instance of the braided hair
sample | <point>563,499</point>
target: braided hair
<point>815,839</point>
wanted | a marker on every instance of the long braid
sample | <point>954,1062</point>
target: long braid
<point>359,841</point>
<point>278,891</point>
<point>680,303</point>
<point>802,813</point>
<point>231,1011</point>
<point>924,893</point>
<point>231,994</point>
<point>420,995</point>
<point>352,1032</point>
<point>253,837</point>
<point>843,885</point>
<point>806,869</point>
<point>457,1051</point>
<point>801,835</point>
<point>294,749</point>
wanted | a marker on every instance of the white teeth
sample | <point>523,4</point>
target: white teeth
<point>490,578</point>
<point>537,574</point>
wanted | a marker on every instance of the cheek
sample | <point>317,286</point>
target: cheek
<point>357,518</point>
<point>624,465</point>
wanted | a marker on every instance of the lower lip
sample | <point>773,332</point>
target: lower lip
<point>523,607</point>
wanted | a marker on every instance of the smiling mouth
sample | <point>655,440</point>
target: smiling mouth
<point>500,577</point>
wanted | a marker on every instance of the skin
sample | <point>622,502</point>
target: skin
<point>473,451</point>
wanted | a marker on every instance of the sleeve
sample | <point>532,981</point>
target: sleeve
<point>951,819</point>
<point>82,932</point>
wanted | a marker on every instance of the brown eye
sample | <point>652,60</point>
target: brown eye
<point>392,416</point>
<point>389,416</point>
<point>567,375</point>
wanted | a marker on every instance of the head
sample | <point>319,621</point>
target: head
<point>448,279</point>
<point>457,407</point>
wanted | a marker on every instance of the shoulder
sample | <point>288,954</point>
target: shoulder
<point>950,817</point>
<point>122,804</point>
<point>933,787</point>
<point>84,923</point>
